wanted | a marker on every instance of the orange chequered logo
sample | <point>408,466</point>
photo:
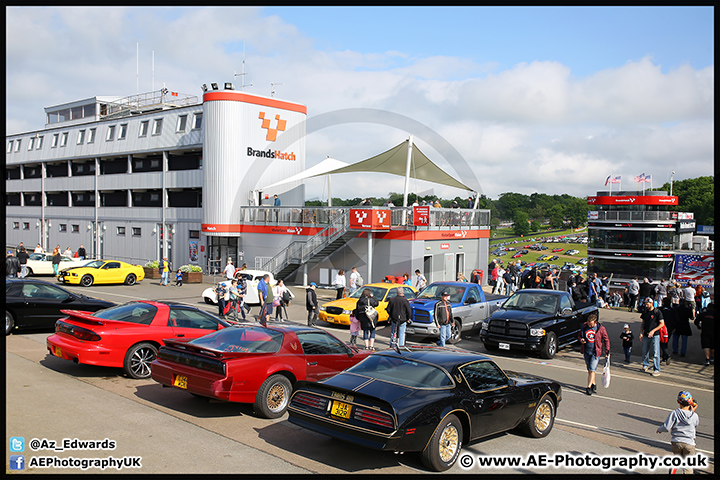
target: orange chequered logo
<point>272,132</point>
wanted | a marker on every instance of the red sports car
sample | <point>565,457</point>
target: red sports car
<point>253,364</point>
<point>127,335</point>
<point>556,250</point>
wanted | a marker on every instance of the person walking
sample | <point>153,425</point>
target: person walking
<point>670,316</point>
<point>646,290</point>
<point>280,294</point>
<point>627,338</point>
<point>221,291</point>
<point>661,292</point>
<point>682,328</point>
<point>22,257</point>
<point>178,278</point>
<point>339,283</point>
<point>420,280</point>
<point>12,265</point>
<point>444,317</point>
<point>682,424</point>
<point>265,295</point>
<point>367,325</point>
<point>354,329</point>
<point>633,290</point>
<point>652,320</point>
<point>229,269</point>
<point>399,312</point>
<point>705,322</point>
<point>234,298</point>
<point>355,280</point>
<point>593,339</point>
<point>311,304</point>
<point>507,281</point>
<point>56,258</point>
<point>165,272</point>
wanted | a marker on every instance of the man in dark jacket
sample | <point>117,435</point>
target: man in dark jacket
<point>652,321</point>
<point>400,313</point>
<point>311,304</point>
<point>22,257</point>
<point>12,265</point>
<point>444,317</point>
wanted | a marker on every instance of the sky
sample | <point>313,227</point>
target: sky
<point>534,99</point>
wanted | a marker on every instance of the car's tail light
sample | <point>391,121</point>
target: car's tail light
<point>311,401</point>
<point>372,416</point>
<point>77,332</point>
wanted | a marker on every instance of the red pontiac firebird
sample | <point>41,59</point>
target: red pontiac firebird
<point>127,335</point>
<point>250,363</point>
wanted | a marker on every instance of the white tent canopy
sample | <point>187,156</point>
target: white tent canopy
<point>405,160</point>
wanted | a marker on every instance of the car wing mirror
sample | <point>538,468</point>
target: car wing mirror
<point>566,312</point>
<point>470,301</point>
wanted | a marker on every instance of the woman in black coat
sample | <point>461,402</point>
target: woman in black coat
<point>366,298</point>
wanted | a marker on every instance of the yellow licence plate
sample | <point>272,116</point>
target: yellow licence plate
<point>180,381</point>
<point>58,353</point>
<point>340,409</point>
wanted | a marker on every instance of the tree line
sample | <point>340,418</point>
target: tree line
<point>696,195</point>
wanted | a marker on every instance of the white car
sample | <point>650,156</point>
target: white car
<point>41,263</point>
<point>252,278</point>
<point>572,252</point>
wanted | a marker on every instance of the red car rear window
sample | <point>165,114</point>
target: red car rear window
<point>133,312</point>
<point>241,339</point>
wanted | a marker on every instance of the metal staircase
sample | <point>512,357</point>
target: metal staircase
<point>313,250</point>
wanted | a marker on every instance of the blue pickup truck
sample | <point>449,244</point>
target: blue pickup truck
<point>470,306</point>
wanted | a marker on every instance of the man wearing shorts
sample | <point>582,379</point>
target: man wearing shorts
<point>593,338</point>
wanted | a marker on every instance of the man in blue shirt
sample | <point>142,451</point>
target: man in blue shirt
<point>263,296</point>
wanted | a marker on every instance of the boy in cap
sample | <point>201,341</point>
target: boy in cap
<point>627,338</point>
<point>682,424</point>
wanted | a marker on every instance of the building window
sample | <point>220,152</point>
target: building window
<point>31,142</point>
<point>197,121</point>
<point>26,225</point>
<point>17,145</point>
<point>10,145</point>
<point>110,133</point>
<point>157,126</point>
<point>63,227</point>
<point>123,132</point>
<point>181,124</point>
<point>81,137</point>
<point>121,230</point>
<point>91,136</point>
<point>16,225</point>
<point>144,128</point>
<point>136,231</point>
<point>63,139</point>
<point>55,140</point>
<point>38,144</point>
<point>75,228</point>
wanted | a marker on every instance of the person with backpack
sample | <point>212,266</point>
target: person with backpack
<point>356,280</point>
<point>400,314</point>
<point>281,297</point>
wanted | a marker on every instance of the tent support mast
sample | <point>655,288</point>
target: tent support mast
<point>407,171</point>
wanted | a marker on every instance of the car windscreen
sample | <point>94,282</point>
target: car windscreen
<point>402,371</point>
<point>533,302</point>
<point>94,264</point>
<point>133,312</point>
<point>435,291</point>
<point>377,292</point>
<point>241,339</point>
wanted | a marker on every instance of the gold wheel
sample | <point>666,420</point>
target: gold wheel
<point>543,417</point>
<point>449,443</point>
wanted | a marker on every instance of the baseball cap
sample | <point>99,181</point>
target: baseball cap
<point>684,398</point>
<point>9,252</point>
<point>626,326</point>
<point>445,293</point>
<point>313,284</point>
<point>648,300</point>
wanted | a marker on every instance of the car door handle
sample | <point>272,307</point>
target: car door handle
<point>312,363</point>
<point>180,334</point>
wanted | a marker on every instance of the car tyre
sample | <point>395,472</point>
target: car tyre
<point>550,348</point>
<point>130,279</point>
<point>87,280</point>
<point>443,449</point>
<point>542,419</point>
<point>9,322</point>
<point>138,358</point>
<point>455,332</point>
<point>209,301</point>
<point>273,396</point>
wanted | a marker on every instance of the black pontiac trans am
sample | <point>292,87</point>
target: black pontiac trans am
<point>425,399</point>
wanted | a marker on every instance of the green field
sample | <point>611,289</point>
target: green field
<point>505,235</point>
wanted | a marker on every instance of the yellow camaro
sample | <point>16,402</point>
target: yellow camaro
<point>338,311</point>
<point>102,271</point>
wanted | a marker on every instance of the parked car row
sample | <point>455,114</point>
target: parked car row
<point>429,400</point>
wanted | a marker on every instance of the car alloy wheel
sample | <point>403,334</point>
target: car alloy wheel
<point>542,419</point>
<point>443,450</point>
<point>86,280</point>
<point>9,322</point>
<point>550,348</point>
<point>455,328</point>
<point>130,279</point>
<point>273,396</point>
<point>138,358</point>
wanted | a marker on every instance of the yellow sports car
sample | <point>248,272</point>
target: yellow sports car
<point>102,271</point>
<point>338,311</point>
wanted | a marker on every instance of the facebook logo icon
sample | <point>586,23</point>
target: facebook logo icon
<point>17,462</point>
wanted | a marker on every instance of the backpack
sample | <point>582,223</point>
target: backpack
<point>359,282</point>
<point>286,297</point>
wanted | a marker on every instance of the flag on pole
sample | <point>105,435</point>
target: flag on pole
<point>640,178</point>
<point>616,179</point>
<point>648,178</point>
<point>607,180</point>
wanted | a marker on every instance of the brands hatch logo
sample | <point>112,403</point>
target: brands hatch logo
<point>360,215</point>
<point>381,216</point>
<point>271,136</point>
<point>272,132</point>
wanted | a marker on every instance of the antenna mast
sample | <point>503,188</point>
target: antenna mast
<point>272,88</point>
<point>242,82</point>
